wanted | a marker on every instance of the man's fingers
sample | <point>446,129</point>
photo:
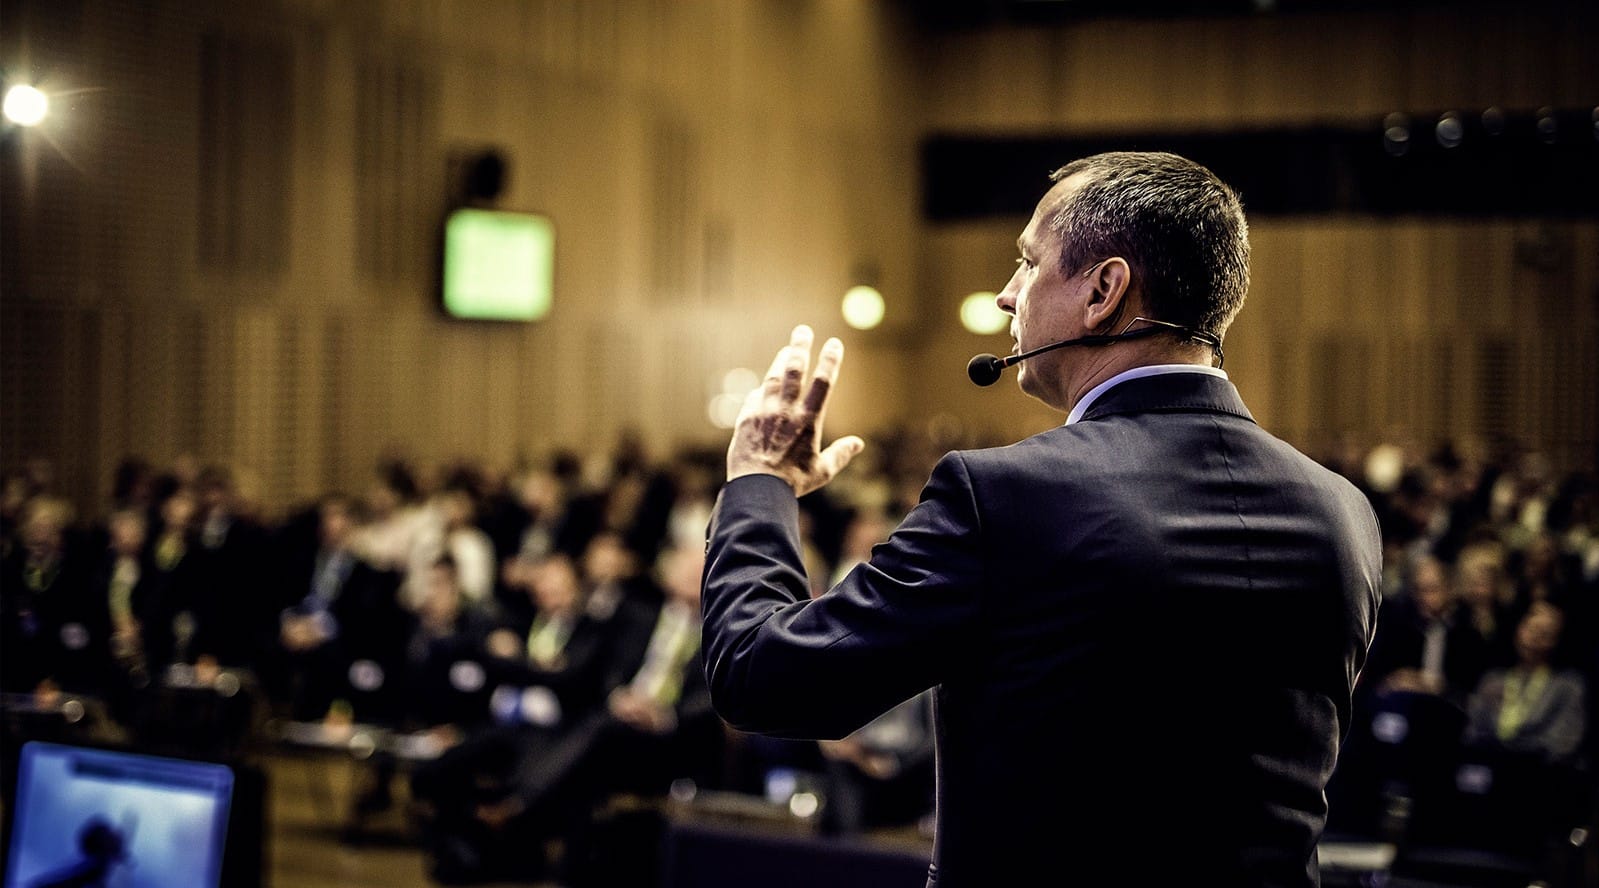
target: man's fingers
<point>799,359</point>
<point>783,378</point>
<point>826,374</point>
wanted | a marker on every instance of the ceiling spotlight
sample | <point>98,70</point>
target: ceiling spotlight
<point>1396,134</point>
<point>1548,126</point>
<point>25,105</point>
<point>1450,131</point>
<point>1493,122</point>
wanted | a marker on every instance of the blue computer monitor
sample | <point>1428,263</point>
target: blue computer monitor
<point>95,816</point>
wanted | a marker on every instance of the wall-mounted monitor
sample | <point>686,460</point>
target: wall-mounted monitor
<point>498,265</point>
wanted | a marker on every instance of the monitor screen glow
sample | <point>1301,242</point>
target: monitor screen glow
<point>498,265</point>
<point>102,817</point>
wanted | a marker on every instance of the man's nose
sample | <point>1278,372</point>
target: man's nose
<point>1006,300</point>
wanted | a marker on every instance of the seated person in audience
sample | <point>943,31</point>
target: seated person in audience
<point>1423,643</point>
<point>448,685</point>
<point>467,545</point>
<point>1532,708</point>
<point>1485,600</point>
<point>166,615</point>
<point>881,775</point>
<point>102,646</point>
<point>232,613</point>
<point>347,631</point>
<point>41,584</point>
<point>550,666</point>
<point>655,725</point>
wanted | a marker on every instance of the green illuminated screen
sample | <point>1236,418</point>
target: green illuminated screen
<point>498,265</point>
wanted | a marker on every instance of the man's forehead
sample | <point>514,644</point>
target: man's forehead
<point>1038,228</point>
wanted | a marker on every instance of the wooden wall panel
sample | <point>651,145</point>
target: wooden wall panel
<point>789,169</point>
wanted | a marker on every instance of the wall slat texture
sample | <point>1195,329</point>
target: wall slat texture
<point>225,243</point>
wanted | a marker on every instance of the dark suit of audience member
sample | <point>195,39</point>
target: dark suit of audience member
<point>881,775</point>
<point>42,585</point>
<point>166,610</point>
<point>447,666</point>
<point>1425,643</point>
<point>233,612</point>
<point>344,639</point>
<point>537,774</point>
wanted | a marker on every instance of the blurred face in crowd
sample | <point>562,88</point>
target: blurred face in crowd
<point>127,532</point>
<point>680,573</point>
<point>1479,578</point>
<point>607,559</point>
<point>554,585</point>
<point>458,509</point>
<point>442,602</point>
<point>1429,583</point>
<point>337,525</point>
<point>216,496</point>
<point>1538,634</point>
<point>539,492</point>
<point>44,526</point>
<point>177,513</point>
<point>1540,556</point>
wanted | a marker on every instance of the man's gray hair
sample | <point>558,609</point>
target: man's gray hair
<point>1181,230</point>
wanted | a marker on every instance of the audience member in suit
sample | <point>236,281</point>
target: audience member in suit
<point>1157,606</point>
<point>1486,593</point>
<point>655,725</point>
<point>166,615</point>
<point>550,666</point>
<point>232,609</point>
<point>1425,643</point>
<point>449,678</point>
<point>345,636</point>
<point>881,775</point>
<point>42,583</point>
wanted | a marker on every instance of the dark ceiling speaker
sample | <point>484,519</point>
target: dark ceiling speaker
<point>485,176</point>
<point>480,175</point>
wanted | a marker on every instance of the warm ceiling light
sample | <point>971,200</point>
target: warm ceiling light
<point>863,307</point>
<point>980,315</point>
<point>25,105</point>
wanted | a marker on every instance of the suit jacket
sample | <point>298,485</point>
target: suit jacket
<point>1144,629</point>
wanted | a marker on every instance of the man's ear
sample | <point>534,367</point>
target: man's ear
<point>1112,281</point>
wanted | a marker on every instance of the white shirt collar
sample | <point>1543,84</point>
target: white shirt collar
<point>1082,405</point>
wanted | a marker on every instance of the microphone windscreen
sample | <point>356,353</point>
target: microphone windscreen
<point>985,369</point>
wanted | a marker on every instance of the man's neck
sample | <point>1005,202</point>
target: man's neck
<point>1112,361</point>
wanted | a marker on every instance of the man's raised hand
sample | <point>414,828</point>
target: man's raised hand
<point>779,432</point>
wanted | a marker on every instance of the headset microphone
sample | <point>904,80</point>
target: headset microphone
<point>985,370</point>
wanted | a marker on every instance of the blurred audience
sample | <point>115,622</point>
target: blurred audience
<point>539,626</point>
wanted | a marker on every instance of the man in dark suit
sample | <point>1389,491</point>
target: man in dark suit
<point>1144,626</point>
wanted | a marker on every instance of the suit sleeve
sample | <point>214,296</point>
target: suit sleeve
<point>779,663</point>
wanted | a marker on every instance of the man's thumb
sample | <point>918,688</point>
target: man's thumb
<point>839,453</point>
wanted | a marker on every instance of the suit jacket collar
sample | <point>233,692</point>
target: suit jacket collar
<point>1168,393</point>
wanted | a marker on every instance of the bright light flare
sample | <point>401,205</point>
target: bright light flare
<point>980,315</point>
<point>863,307</point>
<point>25,105</point>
